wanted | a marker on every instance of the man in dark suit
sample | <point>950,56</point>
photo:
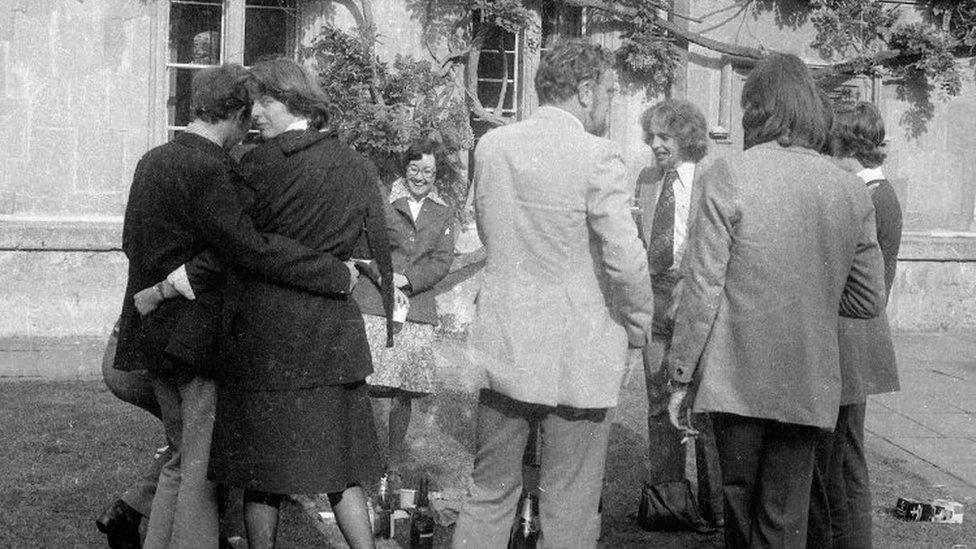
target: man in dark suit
<point>182,201</point>
<point>667,198</point>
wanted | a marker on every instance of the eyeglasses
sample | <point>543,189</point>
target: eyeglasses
<point>427,172</point>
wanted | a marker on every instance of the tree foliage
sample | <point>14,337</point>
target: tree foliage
<point>380,108</point>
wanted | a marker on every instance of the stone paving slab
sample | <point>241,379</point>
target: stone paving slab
<point>931,423</point>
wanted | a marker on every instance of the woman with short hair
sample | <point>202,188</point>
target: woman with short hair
<point>867,355</point>
<point>293,412</point>
<point>421,231</point>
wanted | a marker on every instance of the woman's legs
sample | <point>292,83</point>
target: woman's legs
<point>261,518</point>
<point>352,516</point>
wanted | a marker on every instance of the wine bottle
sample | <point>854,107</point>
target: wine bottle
<point>422,523</point>
<point>383,523</point>
<point>526,531</point>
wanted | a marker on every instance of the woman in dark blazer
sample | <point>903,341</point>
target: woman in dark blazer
<point>421,233</point>
<point>867,356</point>
<point>293,412</point>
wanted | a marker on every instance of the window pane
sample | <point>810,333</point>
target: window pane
<point>488,94</point>
<point>268,30</point>
<point>194,33</point>
<point>560,21</point>
<point>490,65</point>
<point>178,104</point>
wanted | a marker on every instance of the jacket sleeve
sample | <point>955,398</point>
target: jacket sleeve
<point>864,294</point>
<point>889,218</point>
<point>436,261</point>
<point>379,245</point>
<point>703,272</point>
<point>217,212</point>
<point>608,199</point>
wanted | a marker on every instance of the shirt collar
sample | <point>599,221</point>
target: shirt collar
<point>399,190</point>
<point>686,172</point>
<point>870,174</point>
<point>301,124</point>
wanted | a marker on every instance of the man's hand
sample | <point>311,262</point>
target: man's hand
<point>353,274</point>
<point>679,412</point>
<point>400,281</point>
<point>148,300</point>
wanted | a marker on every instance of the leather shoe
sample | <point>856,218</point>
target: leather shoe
<point>120,524</point>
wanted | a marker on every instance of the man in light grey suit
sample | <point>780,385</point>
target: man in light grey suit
<point>565,290</point>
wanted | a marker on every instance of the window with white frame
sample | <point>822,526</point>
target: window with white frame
<point>505,62</point>
<point>206,33</point>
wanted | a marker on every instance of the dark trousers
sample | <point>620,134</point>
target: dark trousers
<point>767,468</point>
<point>665,453</point>
<point>840,501</point>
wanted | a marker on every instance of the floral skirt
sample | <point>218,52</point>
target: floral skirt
<point>408,366</point>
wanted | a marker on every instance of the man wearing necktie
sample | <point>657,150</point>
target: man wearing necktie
<point>667,196</point>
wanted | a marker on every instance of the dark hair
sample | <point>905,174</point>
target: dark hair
<point>417,150</point>
<point>288,82</point>
<point>859,132</point>
<point>218,93</point>
<point>780,102</point>
<point>684,121</point>
<point>563,67</point>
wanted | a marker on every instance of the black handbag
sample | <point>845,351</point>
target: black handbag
<point>670,506</point>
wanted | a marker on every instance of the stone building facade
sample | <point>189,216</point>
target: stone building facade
<point>88,86</point>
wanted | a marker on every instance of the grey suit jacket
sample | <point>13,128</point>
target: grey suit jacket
<point>565,282</point>
<point>784,240</point>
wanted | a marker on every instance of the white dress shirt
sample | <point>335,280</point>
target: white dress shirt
<point>682,208</point>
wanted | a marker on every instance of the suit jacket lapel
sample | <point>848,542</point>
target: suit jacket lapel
<point>650,181</point>
<point>400,205</point>
<point>696,194</point>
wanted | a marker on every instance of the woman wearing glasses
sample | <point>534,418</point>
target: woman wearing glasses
<point>421,232</point>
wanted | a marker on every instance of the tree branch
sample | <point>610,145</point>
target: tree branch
<point>369,36</point>
<point>693,37</point>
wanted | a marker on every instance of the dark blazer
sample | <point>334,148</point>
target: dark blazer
<point>183,200</point>
<point>309,187</point>
<point>783,240</point>
<point>867,356</point>
<point>422,251</point>
<point>647,193</point>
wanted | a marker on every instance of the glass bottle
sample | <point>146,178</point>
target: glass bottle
<point>526,530</point>
<point>422,524</point>
<point>383,523</point>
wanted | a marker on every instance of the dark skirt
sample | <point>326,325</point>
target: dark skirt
<point>298,441</point>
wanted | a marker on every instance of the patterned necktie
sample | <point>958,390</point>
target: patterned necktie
<point>660,252</point>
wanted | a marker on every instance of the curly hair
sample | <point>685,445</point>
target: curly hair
<point>684,121</point>
<point>569,63</point>
<point>780,102</point>
<point>218,93</point>
<point>288,82</point>
<point>859,132</point>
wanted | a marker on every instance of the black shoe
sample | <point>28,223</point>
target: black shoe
<point>120,523</point>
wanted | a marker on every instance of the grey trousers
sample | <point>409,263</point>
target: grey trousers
<point>572,459</point>
<point>184,511</point>
<point>135,388</point>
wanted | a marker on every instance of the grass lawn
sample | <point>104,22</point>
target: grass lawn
<point>69,449</point>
